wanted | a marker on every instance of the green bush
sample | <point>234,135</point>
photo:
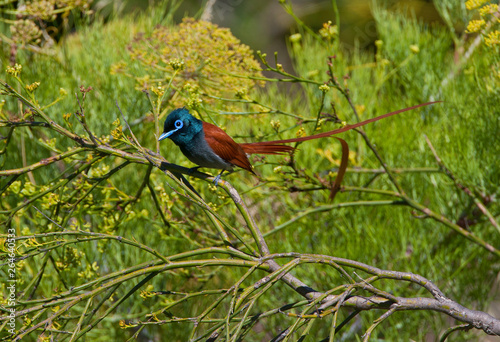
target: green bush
<point>112,242</point>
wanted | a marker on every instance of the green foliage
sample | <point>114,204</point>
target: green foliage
<point>96,216</point>
<point>194,57</point>
<point>31,23</point>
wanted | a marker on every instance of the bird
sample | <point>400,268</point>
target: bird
<point>208,146</point>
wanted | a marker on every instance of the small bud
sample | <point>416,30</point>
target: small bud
<point>324,88</point>
<point>414,49</point>
<point>240,93</point>
<point>276,125</point>
<point>295,38</point>
<point>301,132</point>
<point>177,64</point>
<point>329,31</point>
<point>32,87</point>
<point>15,187</point>
<point>15,70</point>
<point>159,90</point>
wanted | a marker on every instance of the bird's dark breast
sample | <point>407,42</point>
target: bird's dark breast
<point>198,151</point>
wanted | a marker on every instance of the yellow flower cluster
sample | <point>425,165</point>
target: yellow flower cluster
<point>117,133</point>
<point>42,9</point>
<point>25,32</point>
<point>489,14</point>
<point>176,64</point>
<point>475,25</point>
<point>493,38</point>
<point>71,257</point>
<point>32,87</point>
<point>276,124</point>
<point>488,9</point>
<point>324,88</point>
<point>473,4</point>
<point>301,132</point>
<point>89,272</point>
<point>329,31</point>
<point>203,55</point>
<point>15,70</point>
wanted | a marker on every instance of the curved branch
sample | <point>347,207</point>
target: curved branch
<point>42,162</point>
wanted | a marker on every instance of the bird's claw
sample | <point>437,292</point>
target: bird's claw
<point>217,179</point>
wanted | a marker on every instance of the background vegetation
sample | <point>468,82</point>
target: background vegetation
<point>420,194</point>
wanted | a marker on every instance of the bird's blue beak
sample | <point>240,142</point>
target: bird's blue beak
<point>166,135</point>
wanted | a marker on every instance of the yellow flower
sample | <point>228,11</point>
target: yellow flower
<point>488,9</point>
<point>25,31</point>
<point>414,49</point>
<point>475,25</point>
<point>15,187</point>
<point>324,88</point>
<point>241,93</point>
<point>493,38</point>
<point>200,53</point>
<point>28,190</point>
<point>328,31</point>
<point>32,87</point>
<point>15,70</point>
<point>117,68</point>
<point>301,132</point>
<point>177,64</point>
<point>472,4</point>
<point>276,124</point>
<point>117,133</point>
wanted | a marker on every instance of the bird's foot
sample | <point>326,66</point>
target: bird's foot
<point>217,179</point>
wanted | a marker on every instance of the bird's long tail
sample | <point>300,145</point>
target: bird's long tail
<point>277,147</point>
<point>266,147</point>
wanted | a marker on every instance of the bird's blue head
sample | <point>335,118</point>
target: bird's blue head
<point>181,127</point>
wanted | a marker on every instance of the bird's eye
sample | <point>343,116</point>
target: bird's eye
<point>178,124</point>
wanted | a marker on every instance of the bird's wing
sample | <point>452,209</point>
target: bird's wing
<point>225,147</point>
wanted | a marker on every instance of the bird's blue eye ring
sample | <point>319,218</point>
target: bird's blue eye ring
<point>179,124</point>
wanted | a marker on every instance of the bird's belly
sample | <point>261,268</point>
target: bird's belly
<point>206,158</point>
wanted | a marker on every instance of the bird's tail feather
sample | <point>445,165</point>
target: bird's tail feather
<point>266,148</point>
<point>277,147</point>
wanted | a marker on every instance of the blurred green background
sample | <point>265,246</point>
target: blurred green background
<point>420,56</point>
